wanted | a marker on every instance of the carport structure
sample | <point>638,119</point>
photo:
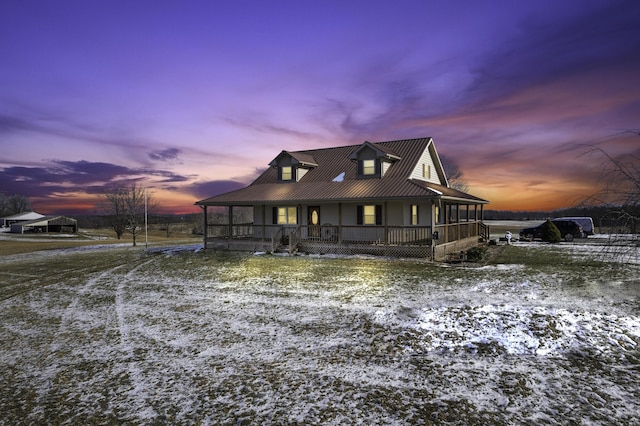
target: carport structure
<point>46,224</point>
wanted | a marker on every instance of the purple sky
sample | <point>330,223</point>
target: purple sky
<point>194,98</point>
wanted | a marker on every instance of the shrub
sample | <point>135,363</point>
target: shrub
<point>475,254</point>
<point>550,232</point>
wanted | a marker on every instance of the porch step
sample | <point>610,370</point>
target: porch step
<point>284,249</point>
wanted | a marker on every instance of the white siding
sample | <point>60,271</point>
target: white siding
<point>301,172</point>
<point>396,214</point>
<point>328,214</point>
<point>385,167</point>
<point>257,215</point>
<point>426,160</point>
<point>349,214</point>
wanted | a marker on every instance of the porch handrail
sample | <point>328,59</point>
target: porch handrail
<point>275,239</point>
<point>294,238</point>
<point>457,231</point>
<point>484,231</point>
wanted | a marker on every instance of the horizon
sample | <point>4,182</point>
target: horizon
<point>193,100</point>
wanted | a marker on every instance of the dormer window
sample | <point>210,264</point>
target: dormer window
<point>286,173</point>
<point>292,166</point>
<point>368,167</point>
<point>373,160</point>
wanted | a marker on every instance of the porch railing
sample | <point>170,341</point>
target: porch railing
<point>361,234</point>
<point>457,231</point>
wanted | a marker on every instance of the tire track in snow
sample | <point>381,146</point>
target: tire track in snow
<point>60,341</point>
<point>139,387</point>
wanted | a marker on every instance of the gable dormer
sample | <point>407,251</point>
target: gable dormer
<point>372,161</point>
<point>292,166</point>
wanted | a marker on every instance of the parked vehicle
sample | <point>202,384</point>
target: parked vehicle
<point>568,230</point>
<point>584,221</point>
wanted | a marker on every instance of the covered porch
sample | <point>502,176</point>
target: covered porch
<point>459,227</point>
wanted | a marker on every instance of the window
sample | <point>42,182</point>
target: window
<point>414,214</point>
<point>369,215</point>
<point>426,171</point>
<point>286,173</point>
<point>285,215</point>
<point>368,167</point>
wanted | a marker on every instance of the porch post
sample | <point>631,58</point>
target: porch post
<point>458,225</point>
<point>264,218</point>
<point>475,219</point>
<point>386,224</point>
<point>434,206</point>
<point>448,222</point>
<point>339,223</point>
<point>205,224</point>
<point>466,225</point>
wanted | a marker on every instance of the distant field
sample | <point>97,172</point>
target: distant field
<point>25,243</point>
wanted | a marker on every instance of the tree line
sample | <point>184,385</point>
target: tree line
<point>13,204</point>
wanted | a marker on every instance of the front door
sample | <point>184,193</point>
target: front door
<point>313,220</point>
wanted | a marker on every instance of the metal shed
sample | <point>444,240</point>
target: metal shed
<point>7,221</point>
<point>46,224</point>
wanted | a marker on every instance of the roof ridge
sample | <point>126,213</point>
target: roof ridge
<point>426,138</point>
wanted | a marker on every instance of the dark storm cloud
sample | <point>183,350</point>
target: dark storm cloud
<point>166,176</point>
<point>17,117</point>
<point>84,172</point>
<point>73,176</point>
<point>215,187</point>
<point>168,155</point>
<point>10,124</point>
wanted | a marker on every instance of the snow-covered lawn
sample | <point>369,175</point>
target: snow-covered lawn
<point>183,336</point>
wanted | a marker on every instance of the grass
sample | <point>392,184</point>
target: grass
<point>119,335</point>
<point>27,243</point>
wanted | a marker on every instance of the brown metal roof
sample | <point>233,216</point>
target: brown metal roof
<point>446,192</point>
<point>303,158</point>
<point>318,183</point>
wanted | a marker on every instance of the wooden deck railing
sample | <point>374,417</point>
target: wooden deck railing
<point>361,234</point>
<point>457,231</point>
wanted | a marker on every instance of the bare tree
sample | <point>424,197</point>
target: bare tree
<point>126,209</point>
<point>619,194</point>
<point>13,204</point>
<point>454,174</point>
<point>136,205</point>
<point>115,209</point>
